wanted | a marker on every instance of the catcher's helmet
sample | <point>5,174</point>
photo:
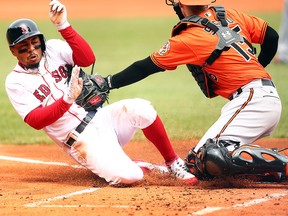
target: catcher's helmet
<point>22,29</point>
<point>196,2</point>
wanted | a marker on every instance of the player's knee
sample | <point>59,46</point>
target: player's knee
<point>142,113</point>
<point>132,178</point>
<point>127,177</point>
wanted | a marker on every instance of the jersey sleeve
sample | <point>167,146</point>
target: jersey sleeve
<point>171,54</point>
<point>178,50</point>
<point>255,27</point>
<point>83,55</point>
<point>44,116</point>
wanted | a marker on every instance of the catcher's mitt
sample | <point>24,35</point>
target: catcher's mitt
<point>95,91</point>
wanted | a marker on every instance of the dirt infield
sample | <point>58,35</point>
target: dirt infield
<point>43,180</point>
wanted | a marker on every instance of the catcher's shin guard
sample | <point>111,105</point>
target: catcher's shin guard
<point>256,160</point>
<point>214,159</point>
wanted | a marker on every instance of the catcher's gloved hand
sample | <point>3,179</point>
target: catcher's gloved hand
<point>95,91</point>
<point>58,14</point>
<point>74,86</point>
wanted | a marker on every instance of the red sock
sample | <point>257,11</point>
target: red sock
<point>156,133</point>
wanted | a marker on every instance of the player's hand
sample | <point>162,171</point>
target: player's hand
<point>74,87</point>
<point>58,14</point>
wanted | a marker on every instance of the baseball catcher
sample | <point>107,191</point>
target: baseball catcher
<point>217,46</point>
<point>95,90</point>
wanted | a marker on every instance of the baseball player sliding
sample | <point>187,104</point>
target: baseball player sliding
<point>37,88</point>
<point>216,45</point>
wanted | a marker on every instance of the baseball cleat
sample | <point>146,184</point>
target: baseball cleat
<point>180,171</point>
<point>147,167</point>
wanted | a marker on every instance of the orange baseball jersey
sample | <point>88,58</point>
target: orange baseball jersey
<point>234,68</point>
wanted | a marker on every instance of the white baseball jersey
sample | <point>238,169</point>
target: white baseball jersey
<point>27,91</point>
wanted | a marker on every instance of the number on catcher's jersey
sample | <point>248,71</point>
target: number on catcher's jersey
<point>243,48</point>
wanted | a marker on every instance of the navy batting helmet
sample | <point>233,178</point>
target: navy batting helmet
<point>22,29</point>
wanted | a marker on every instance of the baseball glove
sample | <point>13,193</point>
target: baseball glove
<point>95,91</point>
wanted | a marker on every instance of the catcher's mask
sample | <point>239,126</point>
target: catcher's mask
<point>22,29</point>
<point>190,2</point>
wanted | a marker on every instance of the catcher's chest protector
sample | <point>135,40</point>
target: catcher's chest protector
<point>227,38</point>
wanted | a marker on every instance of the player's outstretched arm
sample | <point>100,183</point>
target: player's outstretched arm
<point>134,73</point>
<point>58,14</point>
<point>83,54</point>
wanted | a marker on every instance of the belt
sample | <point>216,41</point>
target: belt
<point>264,82</point>
<point>73,135</point>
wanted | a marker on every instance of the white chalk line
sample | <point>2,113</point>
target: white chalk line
<point>17,159</point>
<point>208,210</point>
<point>89,190</point>
<point>61,197</point>
<point>45,201</point>
<point>89,206</point>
